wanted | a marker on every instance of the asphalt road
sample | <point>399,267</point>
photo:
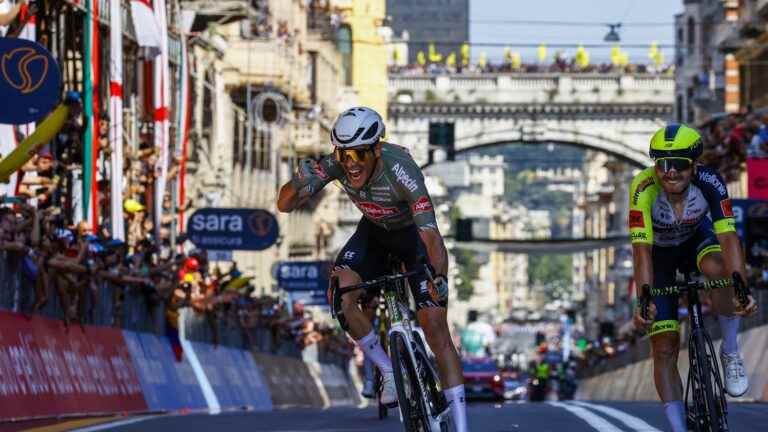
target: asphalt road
<point>485,417</point>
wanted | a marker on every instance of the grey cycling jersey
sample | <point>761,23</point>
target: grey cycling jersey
<point>394,197</point>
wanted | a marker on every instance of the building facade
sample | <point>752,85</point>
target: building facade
<point>443,23</point>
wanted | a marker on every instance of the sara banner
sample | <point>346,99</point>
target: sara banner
<point>233,229</point>
<point>757,173</point>
<point>30,81</point>
<point>47,369</point>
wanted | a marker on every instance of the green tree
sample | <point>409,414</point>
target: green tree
<point>468,271</point>
<point>553,272</point>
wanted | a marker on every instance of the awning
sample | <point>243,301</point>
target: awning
<point>147,29</point>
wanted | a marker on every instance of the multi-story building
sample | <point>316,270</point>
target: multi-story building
<point>706,75</point>
<point>444,23</point>
<point>751,19</point>
<point>283,71</point>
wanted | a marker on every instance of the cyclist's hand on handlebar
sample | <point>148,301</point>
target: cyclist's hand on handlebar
<point>639,321</point>
<point>747,310</point>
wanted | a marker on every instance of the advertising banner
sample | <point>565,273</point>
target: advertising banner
<point>233,229</point>
<point>304,275</point>
<point>47,369</point>
<point>233,376</point>
<point>167,384</point>
<point>30,81</point>
<point>757,173</point>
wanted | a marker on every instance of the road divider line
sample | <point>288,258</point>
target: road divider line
<point>629,420</point>
<point>597,422</point>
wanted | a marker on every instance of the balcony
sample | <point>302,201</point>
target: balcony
<point>267,62</point>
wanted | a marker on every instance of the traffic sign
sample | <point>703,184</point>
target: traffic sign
<point>233,229</point>
<point>303,275</point>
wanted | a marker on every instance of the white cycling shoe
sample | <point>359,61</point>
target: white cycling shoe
<point>388,389</point>
<point>369,390</point>
<point>736,383</point>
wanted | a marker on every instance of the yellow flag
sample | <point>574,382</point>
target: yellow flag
<point>395,55</point>
<point>653,50</point>
<point>624,58</point>
<point>481,61</point>
<point>507,55</point>
<point>465,54</point>
<point>434,56</point>
<point>421,58</point>
<point>658,60</point>
<point>615,55</point>
<point>451,59</point>
<point>516,61</point>
<point>582,57</point>
<point>542,53</point>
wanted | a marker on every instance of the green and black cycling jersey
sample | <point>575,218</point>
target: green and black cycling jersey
<point>395,197</point>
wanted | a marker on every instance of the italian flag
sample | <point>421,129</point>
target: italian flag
<point>183,119</point>
<point>116,117</point>
<point>162,97</point>
<point>91,111</point>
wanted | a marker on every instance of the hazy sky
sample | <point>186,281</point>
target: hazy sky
<point>607,11</point>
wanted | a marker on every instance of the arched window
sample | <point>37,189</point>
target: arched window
<point>344,45</point>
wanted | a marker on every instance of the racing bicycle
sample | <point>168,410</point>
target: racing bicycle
<point>423,407</point>
<point>705,402</point>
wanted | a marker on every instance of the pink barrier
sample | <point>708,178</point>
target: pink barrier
<point>48,370</point>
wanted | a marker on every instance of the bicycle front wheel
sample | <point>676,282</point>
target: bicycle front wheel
<point>708,404</point>
<point>408,389</point>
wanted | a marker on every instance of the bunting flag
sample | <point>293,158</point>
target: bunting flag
<point>116,119</point>
<point>91,112</point>
<point>482,60</point>
<point>421,59</point>
<point>161,100</point>
<point>183,119</point>
<point>582,57</point>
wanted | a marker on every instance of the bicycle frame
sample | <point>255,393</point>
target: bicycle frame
<point>400,323</point>
<point>699,340</point>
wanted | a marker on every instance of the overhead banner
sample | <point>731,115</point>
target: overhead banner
<point>30,81</point>
<point>757,173</point>
<point>233,229</point>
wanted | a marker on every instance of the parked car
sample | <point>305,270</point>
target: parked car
<point>482,379</point>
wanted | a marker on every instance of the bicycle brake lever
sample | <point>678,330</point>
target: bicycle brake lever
<point>741,288</point>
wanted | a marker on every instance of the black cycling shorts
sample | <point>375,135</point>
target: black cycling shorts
<point>684,258</point>
<point>367,252</point>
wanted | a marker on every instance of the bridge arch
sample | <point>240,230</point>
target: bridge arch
<point>617,150</point>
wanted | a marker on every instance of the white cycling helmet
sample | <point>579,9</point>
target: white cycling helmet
<point>356,127</point>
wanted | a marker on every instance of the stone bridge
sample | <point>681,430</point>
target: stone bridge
<point>615,114</point>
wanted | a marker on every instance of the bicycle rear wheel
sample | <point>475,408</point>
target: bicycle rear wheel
<point>408,390</point>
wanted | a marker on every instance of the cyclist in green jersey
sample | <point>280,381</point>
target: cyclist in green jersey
<point>680,219</point>
<point>387,186</point>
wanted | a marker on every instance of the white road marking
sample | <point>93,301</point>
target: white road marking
<point>597,422</point>
<point>111,425</point>
<point>629,420</point>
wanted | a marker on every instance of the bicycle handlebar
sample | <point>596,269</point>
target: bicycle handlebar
<point>741,288</point>
<point>375,283</point>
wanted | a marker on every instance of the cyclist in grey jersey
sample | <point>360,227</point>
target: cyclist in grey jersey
<point>398,219</point>
<point>395,197</point>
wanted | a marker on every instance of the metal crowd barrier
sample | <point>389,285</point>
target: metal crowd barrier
<point>137,311</point>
